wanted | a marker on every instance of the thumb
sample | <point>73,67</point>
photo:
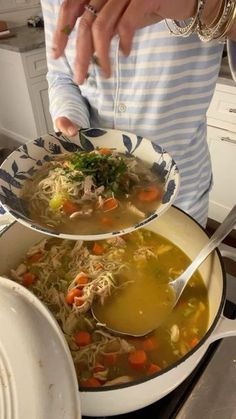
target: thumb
<point>66,126</point>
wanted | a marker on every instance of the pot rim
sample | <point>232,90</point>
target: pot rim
<point>185,357</point>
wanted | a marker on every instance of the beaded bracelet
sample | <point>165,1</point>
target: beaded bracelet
<point>229,24</point>
<point>190,28</point>
<point>217,30</point>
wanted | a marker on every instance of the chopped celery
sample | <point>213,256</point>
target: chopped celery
<point>56,201</point>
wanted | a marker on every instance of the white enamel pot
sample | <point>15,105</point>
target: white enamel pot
<point>190,237</point>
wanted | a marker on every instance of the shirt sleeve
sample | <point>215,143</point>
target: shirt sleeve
<point>232,57</point>
<point>65,98</point>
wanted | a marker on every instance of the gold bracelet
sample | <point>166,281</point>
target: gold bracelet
<point>190,28</point>
<point>217,17</point>
<point>218,29</point>
<point>207,33</point>
<point>229,24</point>
<point>220,25</point>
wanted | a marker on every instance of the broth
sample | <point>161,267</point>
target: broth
<point>68,276</point>
<point>142,303</point>
<point>112,189</point>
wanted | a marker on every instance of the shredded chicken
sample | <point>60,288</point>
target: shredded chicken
<point>39,247</point>
<point>174,333</point>
<point>22,268</point>
<point>117,241</point>
<point>144,253</point>
<point>119,380</point>
<point>135,210</point>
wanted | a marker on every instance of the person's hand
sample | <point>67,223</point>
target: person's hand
<point>66,126</point>
<point>123,17</point>
<point>95,32</point>
<point>69,12</point>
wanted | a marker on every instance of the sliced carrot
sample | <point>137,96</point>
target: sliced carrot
<point>110,359</point>
<point>105,151</point>
<point>75,292</point>
<point>82,338</point>
<point>194,342</point>
<point>90,382</point>
<point>110,204</point>
<point>98,249</point>
<point>69,207</point>
<point>153,368</point>
<point>28,279</point>
<point>35,257</point>
<point>150,193</point>
<point>82,279</point>
<point>78,301</point>
<point>149,344</point>
<point>138,359</point>
<point>98,266</point>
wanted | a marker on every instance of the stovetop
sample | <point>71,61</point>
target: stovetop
<point>208,393</point>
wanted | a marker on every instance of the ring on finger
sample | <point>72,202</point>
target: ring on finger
<point>91,9</point>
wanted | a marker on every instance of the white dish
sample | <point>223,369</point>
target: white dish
<point>23,163</point>
<point>37,375</point>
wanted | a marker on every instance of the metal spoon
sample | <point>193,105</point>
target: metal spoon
<point>180,283</point>
<point>222,231</point>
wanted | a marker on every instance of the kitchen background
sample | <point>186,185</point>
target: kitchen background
<point>24,115</point>
<point>16,12</point>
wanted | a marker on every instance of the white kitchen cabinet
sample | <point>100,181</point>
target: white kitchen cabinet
<point>222,144</point>
<point>24,108</point>
<point>41,105</point>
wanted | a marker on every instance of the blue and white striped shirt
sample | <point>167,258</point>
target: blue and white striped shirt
<point>161,92</point>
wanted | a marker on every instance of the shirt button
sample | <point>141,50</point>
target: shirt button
<point>122,107</point>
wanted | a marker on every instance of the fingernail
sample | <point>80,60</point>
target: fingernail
<point>71,131</point>
<point>54,52</point>
<point>78,80</point>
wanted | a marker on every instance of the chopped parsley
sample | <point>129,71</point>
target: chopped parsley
<point>105,170</point>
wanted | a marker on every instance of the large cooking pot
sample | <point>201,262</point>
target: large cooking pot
<point>190,237</point>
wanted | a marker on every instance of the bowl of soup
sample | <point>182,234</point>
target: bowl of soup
<point>118,374</point>
<point>102,183</point>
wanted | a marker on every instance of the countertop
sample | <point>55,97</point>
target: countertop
<point>25,39</point>
<point>214,395</point>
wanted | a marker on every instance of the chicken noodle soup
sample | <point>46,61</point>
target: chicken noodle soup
<point>114,190</point>
<point>69,276</point>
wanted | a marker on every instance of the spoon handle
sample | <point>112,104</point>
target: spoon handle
<point>222,231</point>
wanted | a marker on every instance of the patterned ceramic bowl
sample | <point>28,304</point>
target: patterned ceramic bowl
<point>23,163</point>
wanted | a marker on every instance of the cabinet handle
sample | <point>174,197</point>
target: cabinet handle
<point>228,140</point>
<point>232,110</point>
